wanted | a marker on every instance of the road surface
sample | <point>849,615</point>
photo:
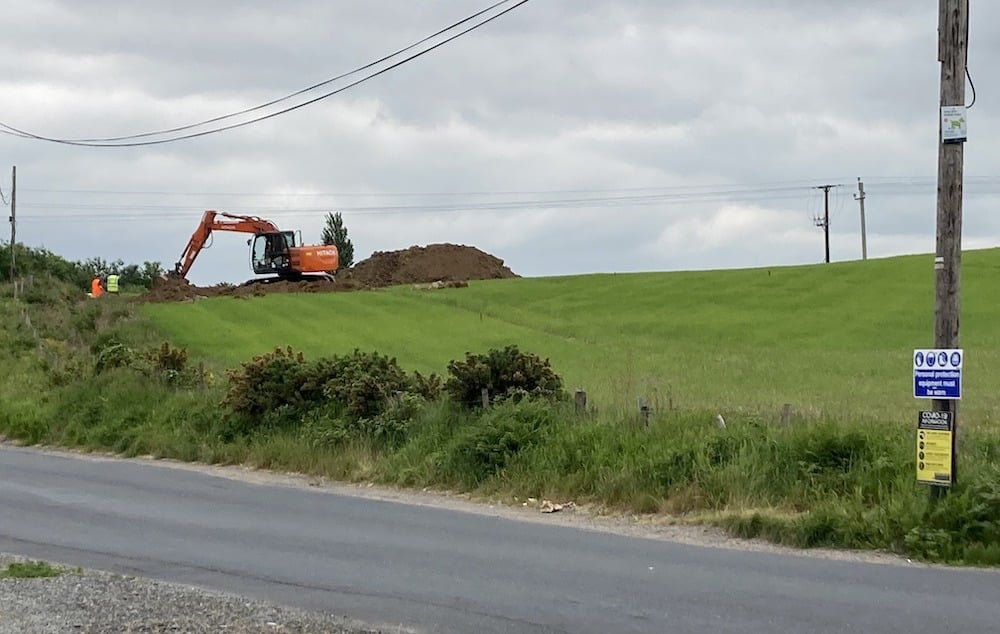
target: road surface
<point>445,571</point>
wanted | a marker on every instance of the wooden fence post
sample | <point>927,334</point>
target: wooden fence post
<point>786,415</point>
<point>643,411</point>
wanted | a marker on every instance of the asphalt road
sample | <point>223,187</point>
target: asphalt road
<point>445,571</point>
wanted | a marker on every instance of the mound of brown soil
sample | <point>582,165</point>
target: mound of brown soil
<point>433,263</point>
<point>448,265</point>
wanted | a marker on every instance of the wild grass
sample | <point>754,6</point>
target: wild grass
<point>29,570</point>
<point>834,342</point>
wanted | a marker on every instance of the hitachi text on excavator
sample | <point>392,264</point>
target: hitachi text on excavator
<point>274,252</point>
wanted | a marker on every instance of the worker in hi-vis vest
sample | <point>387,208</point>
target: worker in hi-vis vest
<point>113,284</point>
<point>95,286</point>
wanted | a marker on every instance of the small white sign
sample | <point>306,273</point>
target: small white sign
<point>953,124</point>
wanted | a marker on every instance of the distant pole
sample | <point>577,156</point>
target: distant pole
<point>953,41</point>
<point>825,223</point>
<point>13,218</point>
<point>860,196</point>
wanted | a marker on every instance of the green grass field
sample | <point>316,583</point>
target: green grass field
<point>833,340</point>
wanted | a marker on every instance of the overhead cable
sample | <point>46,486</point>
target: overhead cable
<point>11,130</point>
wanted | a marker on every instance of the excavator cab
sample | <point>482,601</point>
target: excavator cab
<point>271,253</point>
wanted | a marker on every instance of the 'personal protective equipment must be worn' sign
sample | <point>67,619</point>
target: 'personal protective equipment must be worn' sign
<point>937,373</point>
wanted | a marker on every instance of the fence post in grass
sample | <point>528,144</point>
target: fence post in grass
<point>580,397</point>
<point>485,394</point>
<point>643,411</point>
<point>786,415</point>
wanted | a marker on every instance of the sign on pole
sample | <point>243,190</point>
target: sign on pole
<point>935,438</point>
<point>937,373</point>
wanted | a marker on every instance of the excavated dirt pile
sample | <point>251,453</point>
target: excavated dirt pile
<point>433,266</point>
<point>433,263</point>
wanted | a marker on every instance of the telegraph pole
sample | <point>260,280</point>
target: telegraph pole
<point>13,218</point>
<point>953,41</point>
<point>860,197</point>
<point>825,222</point>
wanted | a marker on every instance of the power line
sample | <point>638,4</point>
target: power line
<point>895,183</point>
<point>297,92</point>
<point>680,196</point>
<point>18,132</point>
<point>167,211</point>
<point>744,187</point>
<point>529,206</point>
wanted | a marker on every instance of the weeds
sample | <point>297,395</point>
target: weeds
<point>30,570</point>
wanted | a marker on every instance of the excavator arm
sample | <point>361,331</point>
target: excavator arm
<point>210,222</point>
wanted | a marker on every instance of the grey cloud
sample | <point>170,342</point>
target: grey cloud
<point>561,94</point>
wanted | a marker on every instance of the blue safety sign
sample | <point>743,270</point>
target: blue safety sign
<point>937,373</point>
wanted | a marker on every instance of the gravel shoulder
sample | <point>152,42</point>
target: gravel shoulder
<point>91,601</point>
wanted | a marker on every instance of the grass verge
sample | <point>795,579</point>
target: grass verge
<point>94,375</point>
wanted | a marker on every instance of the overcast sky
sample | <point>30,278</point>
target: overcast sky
<point>569,136</point>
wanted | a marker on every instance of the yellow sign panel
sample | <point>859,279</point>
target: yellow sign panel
<point>935,435</point>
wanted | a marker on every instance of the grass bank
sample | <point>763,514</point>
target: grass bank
<point>830,340</point>
<point>92,375</point>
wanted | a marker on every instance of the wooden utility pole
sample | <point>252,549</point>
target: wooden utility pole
<point>825,222</point>
<point>953,40</point>
<point>860,197</point>
<point>13,219</point>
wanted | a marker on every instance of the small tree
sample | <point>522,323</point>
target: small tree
<point>334,232</point>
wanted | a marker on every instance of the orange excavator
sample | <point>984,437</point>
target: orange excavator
<point>272,252</point>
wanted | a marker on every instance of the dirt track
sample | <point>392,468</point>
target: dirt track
<point>444,265</point>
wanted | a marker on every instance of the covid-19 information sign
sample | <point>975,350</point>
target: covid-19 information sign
<point>935,438</point>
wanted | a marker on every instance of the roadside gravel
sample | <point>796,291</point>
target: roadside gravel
<point>92,602</point>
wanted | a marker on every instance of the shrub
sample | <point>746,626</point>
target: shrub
<point>266,383</point>
<point>428,387</point>
<point>964,525</point>
<point>167,359</point>
<point>360,386</point>
<point>506,373</point>
<point>114,355</point>
<point>362,383</point>
<point>391,426</point>
<point>500,435</point>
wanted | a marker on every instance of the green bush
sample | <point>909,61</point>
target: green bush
<point>115,355</point>
<point>360,386</point>
<point>388,429</point>
<point>391,426</point>
<point>361,382</point>
<point>323,430</point>
<point>499,435</point>
<point>964,525</point>
<point>506,373</point>
<point>168,362</point>
<point>266,383</point>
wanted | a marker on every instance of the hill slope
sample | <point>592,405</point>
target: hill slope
<point>829,339</point>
